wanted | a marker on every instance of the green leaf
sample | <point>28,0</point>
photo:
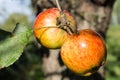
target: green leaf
<point>4,34</point>
<point>12,47</point>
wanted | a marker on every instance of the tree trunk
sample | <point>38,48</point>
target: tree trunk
<point>94,14</point>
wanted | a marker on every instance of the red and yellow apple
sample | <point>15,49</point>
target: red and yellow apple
<point>84,53</point>
<point>47,31</point>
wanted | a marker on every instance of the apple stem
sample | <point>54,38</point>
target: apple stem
<point>58,5</point>
<point>62,21</point>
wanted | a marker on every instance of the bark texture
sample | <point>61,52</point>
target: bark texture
<point>94,14</point>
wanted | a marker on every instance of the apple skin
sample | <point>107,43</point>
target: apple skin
<point>47,31</point>
<point>84,53</point>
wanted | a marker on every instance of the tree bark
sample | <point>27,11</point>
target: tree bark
<point>94,14</point>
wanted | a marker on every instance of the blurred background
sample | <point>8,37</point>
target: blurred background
<point>28,67</point>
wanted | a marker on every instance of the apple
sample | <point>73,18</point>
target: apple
<point>84,53</point>
<point>49,27</point>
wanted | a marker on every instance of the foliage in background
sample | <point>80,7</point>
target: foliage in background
<point>113,45</point>
<point>116,14</point>
<point>113,57</point>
